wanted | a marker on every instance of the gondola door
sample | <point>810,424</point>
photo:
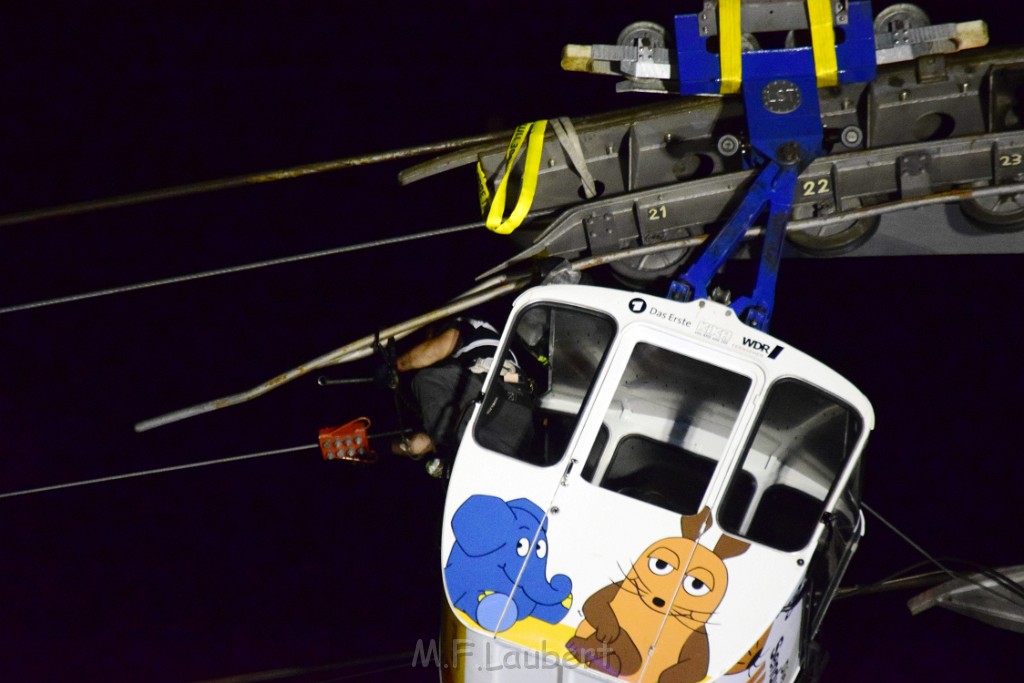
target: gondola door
<point>633,511</point>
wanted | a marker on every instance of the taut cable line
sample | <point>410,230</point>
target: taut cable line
<point>241,268</point>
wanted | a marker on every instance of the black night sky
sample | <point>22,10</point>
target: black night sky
<point>289,561</point>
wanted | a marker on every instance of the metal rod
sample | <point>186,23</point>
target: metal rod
<point>245,180</point>
<point>393,432</point>
<point>325,381</point>
<point>357,349</point>
<point>905,583</point>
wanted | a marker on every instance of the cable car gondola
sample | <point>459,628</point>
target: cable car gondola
<point>660,492</point>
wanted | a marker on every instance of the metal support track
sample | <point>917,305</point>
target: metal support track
<point>829,184</point>
<point>934,97</point>
<point>668,171</point>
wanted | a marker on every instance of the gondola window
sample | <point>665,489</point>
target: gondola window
<point>801,445</point>
<point>668,424</point>
<point>548,365</point>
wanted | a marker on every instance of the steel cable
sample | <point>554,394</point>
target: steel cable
<point>159,470</point>
<point>242,268</point>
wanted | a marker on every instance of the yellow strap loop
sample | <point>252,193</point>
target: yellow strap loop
<point>730,46</point>
<point>494,209</point>
<point>730,32</point>
<point>823,41</point>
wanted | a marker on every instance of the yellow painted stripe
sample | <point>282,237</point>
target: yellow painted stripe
<point>823,40</point>
<point>730,34</point>
<point>533,136</point>
<point>453,664</point>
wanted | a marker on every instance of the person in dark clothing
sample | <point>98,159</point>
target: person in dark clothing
<point>450,369</point>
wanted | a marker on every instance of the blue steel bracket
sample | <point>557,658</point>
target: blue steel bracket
<point>773,188</point>
<point>756,309</point>
<point>698,62</point>
<point>780,95</point>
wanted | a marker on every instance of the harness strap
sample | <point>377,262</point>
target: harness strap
<point>570,142</point>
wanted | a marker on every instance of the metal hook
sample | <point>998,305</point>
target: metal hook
<point>325,381</point>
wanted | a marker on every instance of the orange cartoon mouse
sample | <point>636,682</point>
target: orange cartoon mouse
<point>665,600</point>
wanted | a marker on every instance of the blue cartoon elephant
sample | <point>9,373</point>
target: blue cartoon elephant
<point>492,541</point>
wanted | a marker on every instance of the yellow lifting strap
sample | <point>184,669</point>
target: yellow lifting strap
<point>730,32</point>
<point>730,45</point>
<point>823,41</point>
<point>532,134</point>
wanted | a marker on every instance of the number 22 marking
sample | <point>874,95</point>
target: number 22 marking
<point>813,188</point>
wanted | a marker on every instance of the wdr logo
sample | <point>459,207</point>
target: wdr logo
<point>756,345</point>
<point>762,347</point>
